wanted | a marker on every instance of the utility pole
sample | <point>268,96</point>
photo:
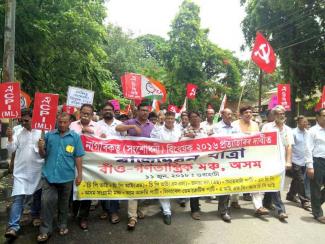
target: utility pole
<point>8,69</point>
<point>260,79</point>
<point>9,41</point>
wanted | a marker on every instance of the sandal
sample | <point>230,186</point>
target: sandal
<point>103,215</point>
<point>83,224</point>
<point>43,237</point>
<point>36,222</point>
<point>11,233</point>
<point>63,231</point>
<point>132,223</point>
<point>115,218</point>
<point>140,214</point>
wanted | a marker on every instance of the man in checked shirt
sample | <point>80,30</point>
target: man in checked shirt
<point>194,130</point>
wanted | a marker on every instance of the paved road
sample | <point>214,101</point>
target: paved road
<point>244,228</point>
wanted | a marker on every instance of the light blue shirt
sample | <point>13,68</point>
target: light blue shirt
<point>299,147</point>
<point>222,129</point>
<point>61,152</point>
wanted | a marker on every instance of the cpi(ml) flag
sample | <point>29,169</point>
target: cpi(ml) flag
<point>9,100</point>
<point>263,54</point>
<point>191,91</point>
<point>284,96</point>
<point>45,110</point>
<point>136,86</point>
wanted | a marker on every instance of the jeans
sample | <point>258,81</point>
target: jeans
<point>110,206</point>
<point>18,207</point>
<point>297,184</point>
<point>194,204</point>
<point>223,204</point>
<point>81,208</point>
<point>307,185</point>
<point>316,184</point>
<point>276,198</point>
<point>54,195</point>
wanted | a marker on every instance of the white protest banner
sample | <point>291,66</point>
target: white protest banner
<point>78,96</point>
<point>134,168</point>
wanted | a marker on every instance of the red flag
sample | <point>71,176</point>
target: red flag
<point>131,85</point>
<point>284,94</point>
<point>173,108</point>
<point>45,109</point>
<point>263,54</point>
<point>68,109</point>
<point>191,91</point>
<point>321,103</point>
<point>323,98</point>
<point>10,100</point>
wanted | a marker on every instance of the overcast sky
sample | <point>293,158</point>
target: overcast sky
<point>221,17</point>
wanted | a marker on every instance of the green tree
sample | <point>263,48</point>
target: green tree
<point>296,32</point>
<point>192,58</point>
<point>60,43</point>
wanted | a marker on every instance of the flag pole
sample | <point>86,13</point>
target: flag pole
<point>243,87</point>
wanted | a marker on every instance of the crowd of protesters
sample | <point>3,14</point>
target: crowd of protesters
<point>47,168</point>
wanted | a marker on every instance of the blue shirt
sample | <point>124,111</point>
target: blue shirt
<point>299,148</point>
<point>61,152</point>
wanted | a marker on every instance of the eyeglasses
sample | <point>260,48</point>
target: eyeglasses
<point>86,114</point>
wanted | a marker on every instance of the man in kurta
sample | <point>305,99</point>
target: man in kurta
<point>246,125</point>
<point>27,171</point>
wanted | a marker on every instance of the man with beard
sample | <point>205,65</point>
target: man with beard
<point>139,127</point>
<point>286,141</point>
<point>166,133</point>
<point>208,124</point>
<point>108,124</point>
<point>89,127</point>
<point>63,151</point>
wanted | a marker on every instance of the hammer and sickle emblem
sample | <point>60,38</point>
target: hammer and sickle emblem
<point>263,52</point>
<point>193,91</point>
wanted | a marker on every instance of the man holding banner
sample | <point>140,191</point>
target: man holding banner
<point>195,130</point>
<point>88,127</point>
<point>108,124</point>
<point>167,132</point>
<point>63,152</point>
<point>286,142</point>
<point>246,125</point>
<point>224,127</point>
<point>140,127</point>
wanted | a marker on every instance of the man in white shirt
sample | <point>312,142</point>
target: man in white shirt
<point>108,124</point>
<point>299,164</point>
<point>167,132</point>
<point>223,128</point>
<point>27,171</point>
<point>208,124</point>
<point>286,141</point>
<point>315,158</point>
